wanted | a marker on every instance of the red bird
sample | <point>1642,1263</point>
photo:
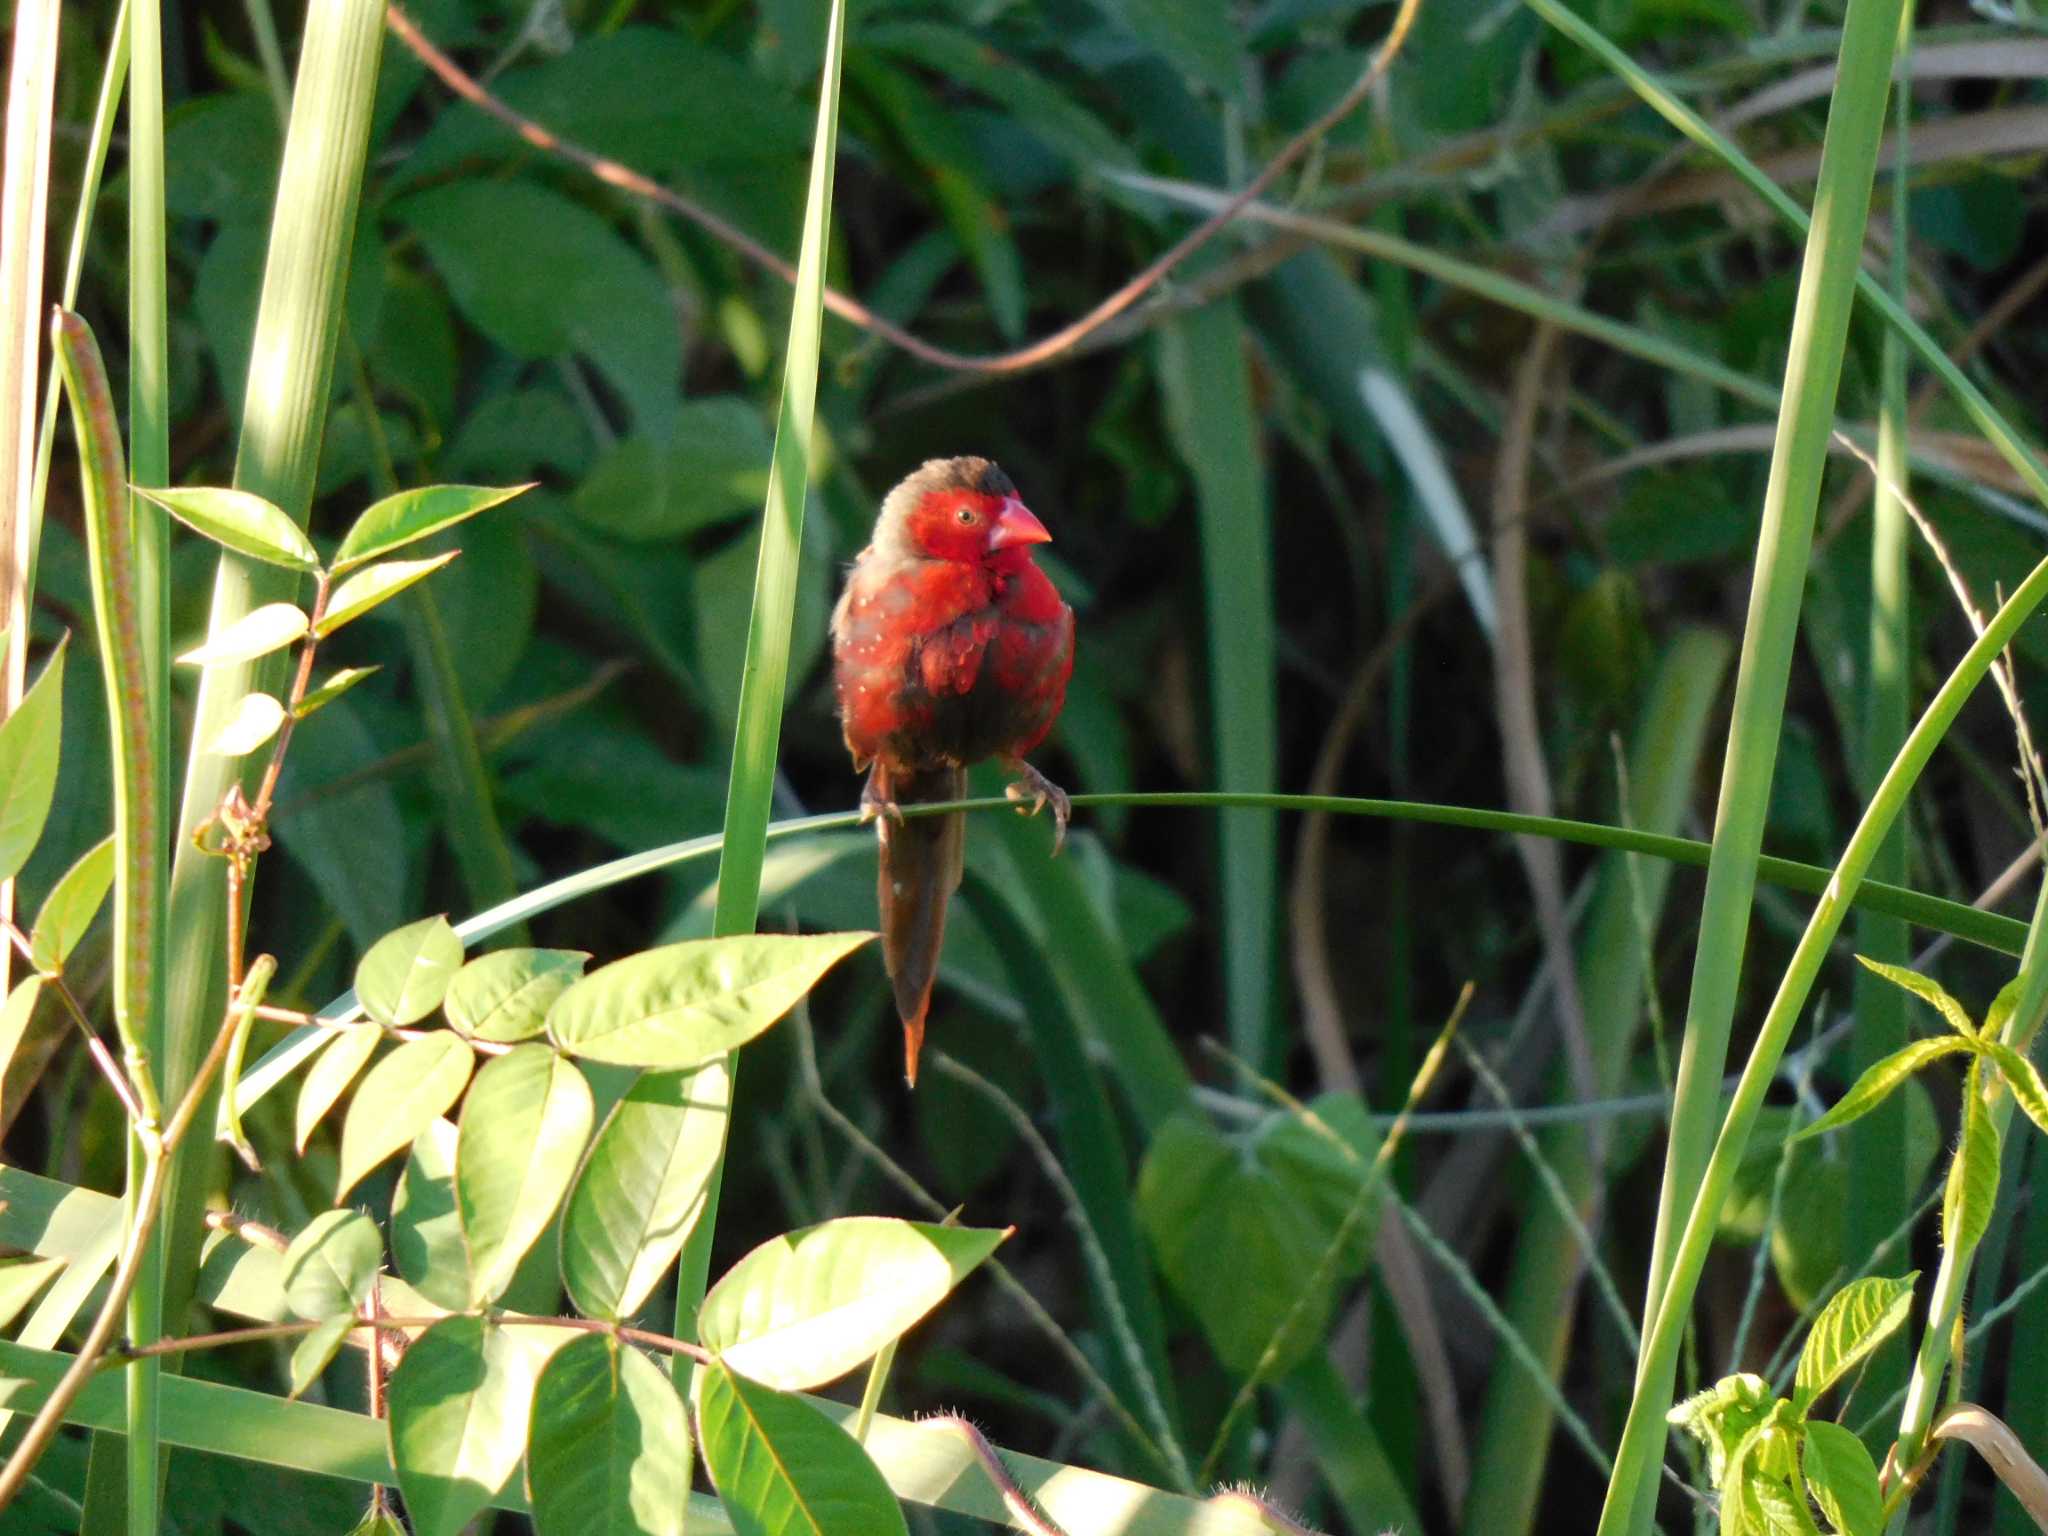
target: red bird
<point>949,645</point>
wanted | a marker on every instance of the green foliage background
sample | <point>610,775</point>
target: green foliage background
<point>1273,488</point>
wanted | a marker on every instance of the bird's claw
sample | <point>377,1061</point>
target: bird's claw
<point>1033,792</point>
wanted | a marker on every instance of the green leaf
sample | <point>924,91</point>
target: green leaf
<point>327,1079</point>
<point>1722,1416</point>
<point>505,996</point>
<point>241,520</point>
<point>373,585</point>
<point>641,1189</point>
<point>14,1017</point>
<point>1878,1081</point>
<point>783,1468</point>
<point>523,1128</point>
<point>1198,36</point>
<point>807,1307</point>
<point>376,1522</point>
<point>459,1404</point>
<point>330,1266</point>
<point>2024,1079</point>
<point>29,740</point>
<point>74,901</point>
<point>316,1351</point>
<point>254,721</point>
<point>1928,990</point>
<point>609,1450</point>
<point>269,628</point>
<point>426,1226</point>
<point>1971,1194</point>
<point>707,467</point>
<point>417,514</point>
<point>2000,1011</point>
<point>684,1004</point>
<point>1858,1318</point>
<point>335,686</point>
<point>406,973</point>
<point>1842,1479</point>
<point>403,1093</point>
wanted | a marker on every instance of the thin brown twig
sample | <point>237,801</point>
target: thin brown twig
<point>1035,354</point>
<point>387,1324</point>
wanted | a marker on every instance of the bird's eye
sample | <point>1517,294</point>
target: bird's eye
<point>968,517</point>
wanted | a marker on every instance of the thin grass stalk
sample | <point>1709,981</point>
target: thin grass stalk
<point>1878,1195</point>
<point>1643,1437</point>
<point>291,366</point>
<point>137,919</point>
<point>757,733</point>
<point>24,218</point>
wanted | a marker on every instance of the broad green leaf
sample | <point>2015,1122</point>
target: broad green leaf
<point>1843,1479</point>
<point>684,1004</point>
<point>426,1226</point>
<point>523,1128</point>
<point>1858,1318</point>
<point>1928,990</point>
<point>70,907</point>
<point>641,1189</point>
<point>707,467</point>
<point>376,1522</point>
<point>403,1092</point>
<point>1971,1195</point>
<point>244,522</point>
<point>332,689</point>
<point>784,1469</point>
<point>398,520</point>
<point>805,1308</point>
<point>609,1451</point>
<point>22,1278</point>
<point>14,1017</point>
<point>316,1350</point>
<point>373,585</point>
<point>2000,1011</point>
<point>1774,1509</point>
<point>1198,36</point>
<point>406,973</point>
<point>327,1079</point>
<point>269,628</point>
<point>252,722</point>
<point>505,996</point>
<point>2024,1079</point>
<point>459,1403</point>
<point>330,1266</point>
<point>1877,1081</point>
<point>29,741</point>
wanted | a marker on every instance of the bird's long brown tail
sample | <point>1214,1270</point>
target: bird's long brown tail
<point>920,870</point>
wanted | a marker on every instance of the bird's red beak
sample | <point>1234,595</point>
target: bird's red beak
<point>1014,524</point>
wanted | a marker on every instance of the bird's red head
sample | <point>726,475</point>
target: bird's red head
<point>965,510</point>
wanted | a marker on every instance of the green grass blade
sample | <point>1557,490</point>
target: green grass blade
<point>1209,409</point>
<point>291,366</point>
<point>764,676</point>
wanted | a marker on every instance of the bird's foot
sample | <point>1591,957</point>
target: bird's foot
<point>877,803</point>
<point>1033,792</point>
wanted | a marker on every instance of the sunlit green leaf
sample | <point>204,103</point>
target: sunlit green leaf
<point>1858,1318</point>
<point>29,741</point>
<point>1871,1089</point>
<point>1971,1194</point>
<point>641,1189</point>
<point>805,1308</point>
<point>1843,1479</point>
<point>377,1523</point>
<point>257,633</point>
<point>316,1350</point>
<point>374,585</point>
<point>242,521</point>
<point>1722,1416</point>
<point>1928,990</point>
<point>505,996</point>
<point>2023,1078</point>
<point>398,520</point>
<point>250,723</point>
<point>523,1128</point>
<point>333,689</point>
<point>459,1402</point>
<point>327,1079</point>
<point>610,1447</point>
<point>682,1005</point>
<point>397,1100</point>
<point>330,1265</point>
<point>2000,1011</point>
<point>783,1468</point>
<point>426,1226</point>
<point>406,973</point>
<point>67,912</point>
<point>14,1017</point>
